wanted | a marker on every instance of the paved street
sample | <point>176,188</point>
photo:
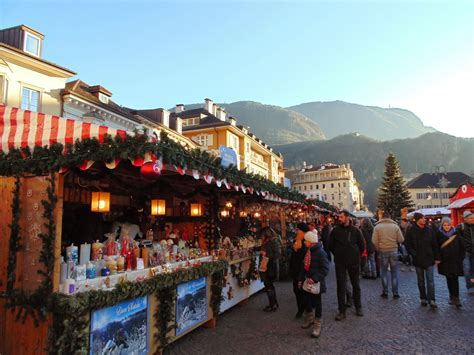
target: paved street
<point>389,326</point>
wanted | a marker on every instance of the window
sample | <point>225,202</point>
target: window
<point>103,98</point>
<point>317,187</point>
<point>344,184</point>
<point>30,99</point>
<point>3,90</point>
<point>190,121</point>
<point>234,142</point>
<point>332,197</point>
<point>204,139</point>
<point>332,186</point>
<point>325,197</point>
<point>324,187</point>
<point>310,187</point>
<point>305,187</point>
<point>32,44</point>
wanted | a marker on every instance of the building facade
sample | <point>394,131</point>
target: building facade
<point>211,128</point>
<point>332,183</point>
<point>432,190</point>
<point>27,80</point>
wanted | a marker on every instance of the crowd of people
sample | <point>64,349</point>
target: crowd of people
<point>362,249</point>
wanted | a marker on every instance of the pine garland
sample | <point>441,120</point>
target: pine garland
<point>165,315</point>
<point>15,239</point>
<point>251,274</point>
<point>51,159</point>
<point>35,303</point>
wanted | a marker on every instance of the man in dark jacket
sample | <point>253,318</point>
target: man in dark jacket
<point>346,242</point>
<point>422,246</point>
<point>466,231</point>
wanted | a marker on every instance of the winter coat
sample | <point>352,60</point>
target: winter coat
<point>296,261</point>
<point>272,250</point>
<point>318,268</point>
<point>325,234</point>
<point>452,255</point>
<point>466,232</point>
<point>422,246</point>
<point>387,235</point>
<point>347,245</point>
<point>367,232</point>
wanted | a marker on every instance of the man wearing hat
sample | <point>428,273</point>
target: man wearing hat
<point>298,252</point>
<point>466,231</point>
<point>422,246</point>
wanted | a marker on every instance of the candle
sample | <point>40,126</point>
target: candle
<point>120,264</point>
<point>73,253</point>
<point>85,255</point>
<point>63,272</point>
<point>80,272</point>
<point>145,257</point>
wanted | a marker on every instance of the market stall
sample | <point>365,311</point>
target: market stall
<point>462,200</point>
<point>113,238</point>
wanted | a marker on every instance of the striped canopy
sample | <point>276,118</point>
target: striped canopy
<point>22,129</point>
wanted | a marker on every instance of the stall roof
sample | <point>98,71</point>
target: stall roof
<point>363,214</point>
<point>431,211</point>
<point>461,203</point>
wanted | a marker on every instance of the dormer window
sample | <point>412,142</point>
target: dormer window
<point>103,98</point>
<point>32,44</point>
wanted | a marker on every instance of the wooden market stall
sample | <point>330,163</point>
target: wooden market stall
<point>65,184</point>
<point>462,200</point>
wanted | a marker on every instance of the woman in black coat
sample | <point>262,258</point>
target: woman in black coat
<point>315,269</point>
<point>452,253</point>
<point>298,252</point>
<point>270,249</point>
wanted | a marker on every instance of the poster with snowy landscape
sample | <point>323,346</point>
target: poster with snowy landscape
<point>191,305</point>
<point>120,329</point>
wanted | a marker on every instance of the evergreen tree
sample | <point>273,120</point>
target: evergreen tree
<point>393,194</point>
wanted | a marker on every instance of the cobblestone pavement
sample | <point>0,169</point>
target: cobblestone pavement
<point>389,326</point>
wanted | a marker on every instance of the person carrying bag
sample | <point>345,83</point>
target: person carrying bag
<point>270,254</point>
<point>311,280</point>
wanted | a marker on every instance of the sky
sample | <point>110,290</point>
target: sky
<point>416,55</point>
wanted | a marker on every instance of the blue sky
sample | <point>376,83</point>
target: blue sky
<point>417,55</point>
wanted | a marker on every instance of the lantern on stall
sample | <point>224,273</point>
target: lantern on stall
<point>256,215</point>
<point>158,207</point>
<point>100,202</point>
<point>196,209</point>
<point>225,213</point>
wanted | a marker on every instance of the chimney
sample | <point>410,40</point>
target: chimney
<point>233,122</point>
<point>179,125</point>
<point>165,117</point>
<point>214,109</point>
<point>208,105</point>
<point>179,108</point>
<point>221,114</point>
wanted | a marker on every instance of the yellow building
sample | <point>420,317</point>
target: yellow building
<point>210,127</point>
<point>332,183</point>
<point>26,79</point>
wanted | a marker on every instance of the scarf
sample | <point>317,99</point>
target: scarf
<point>307,257</point>
<point>447,234</point>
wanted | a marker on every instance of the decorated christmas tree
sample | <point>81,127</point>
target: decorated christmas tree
<point>393,194</point>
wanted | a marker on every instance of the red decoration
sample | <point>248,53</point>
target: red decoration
<point>151,170</point>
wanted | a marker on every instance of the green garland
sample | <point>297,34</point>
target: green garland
<point>251,274</point>
<point>71,327</point>
<point>165,315</point>
<point>35,303</point>
<point>51,159</point>
<point>218,283</point>
<point>14,243</point>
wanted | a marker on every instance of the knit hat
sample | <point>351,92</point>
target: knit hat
<point>467,214</point>
<point>418,216</point>
<point>446,220</point>
<point>311,237</point>
<point>302,227</point>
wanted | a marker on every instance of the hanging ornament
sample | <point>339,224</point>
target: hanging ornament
<point>151,170</point>
<point>196,174</point>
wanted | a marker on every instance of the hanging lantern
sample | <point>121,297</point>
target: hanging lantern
<point>228,204</point>
<point>243,214</point>
<point>257,215</point>
<point>158,207</point>
<point>196,209</point>
<point>225,213</point>
<point>100,202</point>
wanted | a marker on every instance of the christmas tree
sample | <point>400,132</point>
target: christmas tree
<point>393,194</point>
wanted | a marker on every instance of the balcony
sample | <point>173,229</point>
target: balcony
<point>259,162</point>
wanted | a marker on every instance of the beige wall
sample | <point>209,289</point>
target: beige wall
<point>430,197</point>
<point>19,76</point>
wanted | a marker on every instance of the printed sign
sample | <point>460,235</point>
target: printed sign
<point>228,156</point>
<point>191,305</point>
<point>287,183</point>
<point>120,329</point>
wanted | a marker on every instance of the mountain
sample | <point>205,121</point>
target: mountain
<point>274,124</point>
<point>367,156</point>
<point>339,117</point>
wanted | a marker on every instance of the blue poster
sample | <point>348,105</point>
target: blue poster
<point>120,329</point>
<point>191,305</point>
<point>228,156</point>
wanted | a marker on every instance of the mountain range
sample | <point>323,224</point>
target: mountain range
<point>367,156</point>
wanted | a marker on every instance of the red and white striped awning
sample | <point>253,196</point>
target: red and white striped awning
<point>22,129</point>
